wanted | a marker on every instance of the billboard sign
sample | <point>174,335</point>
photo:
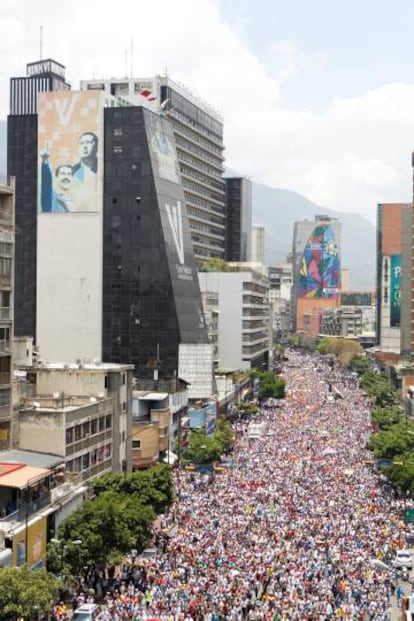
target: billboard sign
<point>35,538</point>
<point>70,151</point>
<point>395,293</point>
<point>356,298</point>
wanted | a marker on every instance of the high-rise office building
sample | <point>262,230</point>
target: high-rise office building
<point>7,232</point>
<point>198,133</point>
<point>115,271</point>
<point>22,163</point>
<point>238,219</point>
<point>258,244</point>
<point>393,226</point>
<point>316,264</point>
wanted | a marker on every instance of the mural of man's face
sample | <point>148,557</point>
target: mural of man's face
<point>87,146</point>
<point>64,178</point>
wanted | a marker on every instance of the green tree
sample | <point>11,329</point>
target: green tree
<point>154,486</point>
<point>215,265</point>
<point>345,350</point>
<point>392,442</point>
<point>202,449</point>
<point>359,364</point>
<point>25,593</point>
<point>107,527</point>
<point>385,418</point>
<point>272,387</point>
<point>224,434</point>
<point>379,387</point>
<point>401,473</point>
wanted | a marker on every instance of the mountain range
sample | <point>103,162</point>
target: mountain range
<point>278,209</point>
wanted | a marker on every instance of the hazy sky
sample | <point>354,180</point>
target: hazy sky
<point>317,96</point>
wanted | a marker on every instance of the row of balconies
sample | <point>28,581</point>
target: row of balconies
<point>86,443</point>
<point>196,134</point>
<point>185,148</point>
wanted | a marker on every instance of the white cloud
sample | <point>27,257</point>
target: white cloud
<point>349,157</point>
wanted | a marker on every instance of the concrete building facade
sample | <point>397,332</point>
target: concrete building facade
<point>81,412</point>
<point>22,163</point>
<point>258,244</point>
<point>393,225</point>
<point>243,317</point>
<point>7,260</point>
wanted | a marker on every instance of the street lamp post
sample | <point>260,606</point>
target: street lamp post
<point>62,548</point>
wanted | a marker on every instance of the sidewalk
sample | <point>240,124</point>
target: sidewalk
<point>395,611</point>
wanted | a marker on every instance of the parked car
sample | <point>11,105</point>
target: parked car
<point>403,558</point>
<point>86,612</point>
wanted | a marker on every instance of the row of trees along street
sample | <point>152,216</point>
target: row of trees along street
<point>98,536</point>
<point>392,440</point>
<point>94,539</point>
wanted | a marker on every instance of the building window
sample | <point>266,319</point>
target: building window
<point>4,339</point>
<point>69,435</point>
<point>117,149</point>
<point>94,426</point>
<point>108,422</point>
<point>102,423</point>
<point>136,444</point>
<point>117,131</point>
<point>85,461</point>
<point>5,267</point>
<point>4,397</point>
<point>78,433</point>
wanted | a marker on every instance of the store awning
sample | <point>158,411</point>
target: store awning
<point>23,477</point>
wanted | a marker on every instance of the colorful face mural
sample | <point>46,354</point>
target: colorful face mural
<point>319,275</point>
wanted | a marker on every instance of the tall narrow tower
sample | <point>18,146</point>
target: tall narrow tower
<point>22,162</point>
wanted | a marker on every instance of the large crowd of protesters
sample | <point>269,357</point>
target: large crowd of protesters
<point>300,528</point>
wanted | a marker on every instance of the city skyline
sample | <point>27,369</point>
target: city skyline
<point>313,98</point>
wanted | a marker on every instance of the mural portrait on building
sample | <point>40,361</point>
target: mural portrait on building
<point>69,146</point>
<point>319,275</point>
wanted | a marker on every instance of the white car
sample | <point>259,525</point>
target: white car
<point>403,558</point>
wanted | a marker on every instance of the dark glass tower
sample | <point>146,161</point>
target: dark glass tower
<point>151,296</point>
<point>238,219</point>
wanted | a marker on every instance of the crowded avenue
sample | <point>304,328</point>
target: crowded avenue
<point>300,528</point>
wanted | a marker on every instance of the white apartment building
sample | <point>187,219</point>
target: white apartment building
<point>243,314</point>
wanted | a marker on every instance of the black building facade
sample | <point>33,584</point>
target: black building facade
<point>151,296</point>
<point>238,219</point>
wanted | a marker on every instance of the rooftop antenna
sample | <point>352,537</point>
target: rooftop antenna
<point>131,58</point>
<point>41,41</point>
<point>126,63</point>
